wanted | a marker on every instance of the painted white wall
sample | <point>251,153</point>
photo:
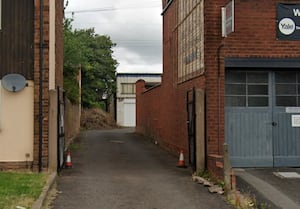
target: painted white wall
<point>17,124</point>
<point>126,108</point>
<point>134,79</point>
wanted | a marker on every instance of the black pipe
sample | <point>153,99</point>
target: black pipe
<point>41,85</point>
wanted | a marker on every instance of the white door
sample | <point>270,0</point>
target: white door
<point>129,114</point>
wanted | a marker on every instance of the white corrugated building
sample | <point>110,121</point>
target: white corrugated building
<point>126,95</point>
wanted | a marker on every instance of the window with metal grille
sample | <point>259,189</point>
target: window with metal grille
<point>190,52</point>
<point>128,88</point>
<point>246,89</point>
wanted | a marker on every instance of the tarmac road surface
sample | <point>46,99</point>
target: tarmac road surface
<point>118,169</point>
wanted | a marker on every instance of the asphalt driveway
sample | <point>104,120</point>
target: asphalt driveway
<point>118,169</point>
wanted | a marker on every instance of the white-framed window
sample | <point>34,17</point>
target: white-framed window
<point>128,88</point>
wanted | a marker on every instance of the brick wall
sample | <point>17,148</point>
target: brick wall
<point>214,111</point>
<point>16,166</point>
<point>254,36</point>
<point>58,79</point>
<point>37,81</point>
<point>59,6</point>
<point>162,111</point>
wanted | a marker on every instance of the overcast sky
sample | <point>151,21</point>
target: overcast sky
<point>134,25</point>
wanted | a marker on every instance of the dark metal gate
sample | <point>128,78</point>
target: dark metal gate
<point>60,128</point>
<point>191,126</point>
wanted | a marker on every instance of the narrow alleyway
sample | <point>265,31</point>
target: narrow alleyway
<point>118,169</point>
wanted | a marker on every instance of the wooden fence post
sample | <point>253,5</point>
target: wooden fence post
<point>227,168</point>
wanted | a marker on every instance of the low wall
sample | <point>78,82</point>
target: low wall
<point>157,118</point>
<point>72,121</point>
<point>71,125</point>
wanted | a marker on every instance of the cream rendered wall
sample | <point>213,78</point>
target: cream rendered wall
<point>52,45</point>
<point>16,124</point>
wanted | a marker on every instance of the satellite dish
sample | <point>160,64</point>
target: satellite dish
<point>13,82</point>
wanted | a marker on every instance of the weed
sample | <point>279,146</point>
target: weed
<point>242,201</point>
<point>263,206</point>
<point>205,174</point>
<point>222,184</point>
<point>74,146</point>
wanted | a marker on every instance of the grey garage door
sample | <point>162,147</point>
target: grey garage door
<point>261,118</point>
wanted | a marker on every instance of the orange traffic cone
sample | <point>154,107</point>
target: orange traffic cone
<point>181,163</point>
<point>68,163</point>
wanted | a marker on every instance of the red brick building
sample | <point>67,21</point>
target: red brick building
<point>240,85</point>
<point>31,40</point>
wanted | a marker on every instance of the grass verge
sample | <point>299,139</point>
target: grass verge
<point>20,189</point>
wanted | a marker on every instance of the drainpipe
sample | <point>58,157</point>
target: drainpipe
<point>41,85</point>
<point>219,95</point>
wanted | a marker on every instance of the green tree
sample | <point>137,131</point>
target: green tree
<point>92,53</point>
<point>72,60</point>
